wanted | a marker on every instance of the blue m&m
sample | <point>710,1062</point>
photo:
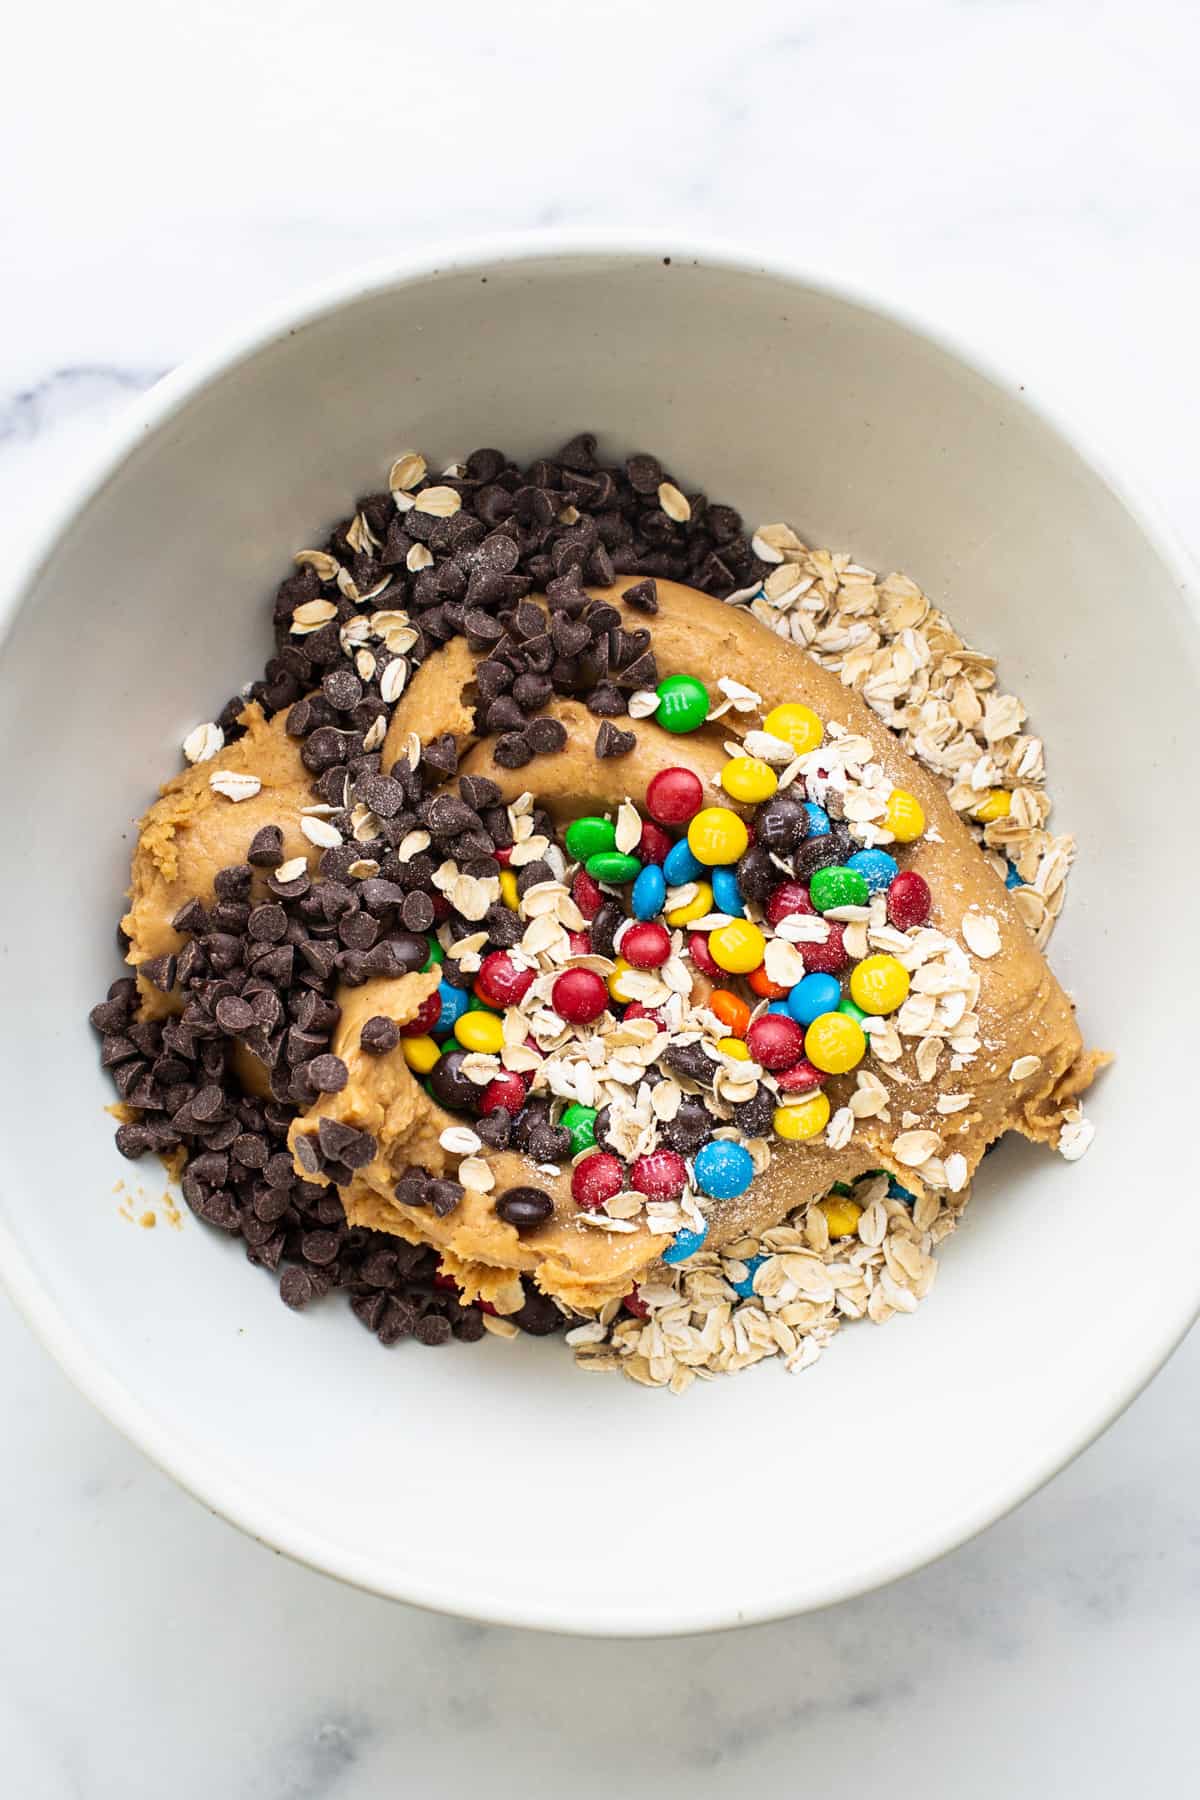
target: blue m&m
<point>818,819</point>
<point>727,896</point>
<point>685,1243</point>
<point>812,996</point>
<point>680,866</point>
<point>649,892</point>
<point>454,1004</point>
<point>876,867</point>
<point>724,1169</point>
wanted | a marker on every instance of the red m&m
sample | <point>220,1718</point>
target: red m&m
<point>674,796</point>
<point>507,1090</point>
<point>788,897</point>
<point>775,1041</point>
<point>501,982</point>
<point>828,958</point>
<point>425,1017</point>
<point>661,1175</point>
<point>579,996</point>
<point>596,1179</point>
<point>653,844</point>
<point>646,944</point>
<point>909,901</point>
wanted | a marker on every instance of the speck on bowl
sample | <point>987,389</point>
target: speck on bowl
<point>496,1481</point>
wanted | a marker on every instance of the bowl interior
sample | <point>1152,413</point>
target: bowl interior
<point>499,1482</point>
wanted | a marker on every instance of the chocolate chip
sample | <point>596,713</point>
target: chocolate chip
<point>432,1330</point>
<point>606,701</point>
<point>159,971</point>
<point>642,596</point>
<point>644,474</point>
<point>327,1074</point>
<point>235,1015</point>
<point>692,1126</point>
<point>342,689</point>
<point>191,917</point>
<point>549,1143</point>
<point>478,791</point>
<point>443,1195</point>
<point>379,1035</point>
<point>441,755</point>
<point>267,924</point>
<point>410,950</point>
<point>417,911</point>
<point>412,1187</point>
<point>512,751</point>
<point>494,1128</point>
<point>754,1117</point>
<point>233,882</point>
<point>524,1208</point>
<point>399,1321</point>
<point>295,1287</point>
<point>319,1247</point>
<point>344,1143</point>
<point>382,794</point>
<point>612,742</point>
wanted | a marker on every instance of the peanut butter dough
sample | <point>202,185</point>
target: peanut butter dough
<point>191,832</point>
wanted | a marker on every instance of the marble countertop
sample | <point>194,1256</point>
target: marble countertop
<point>1025,173</point>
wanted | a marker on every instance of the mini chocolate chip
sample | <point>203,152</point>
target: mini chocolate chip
<point>399,1321</point>
<point>295,1287</point>
<point>159,971</point>
<point>549,1143</point>
<point>411,1188</point>
<point>235,1015</point>
<point>495,1128</point>
<point>443,1195</point>
<point>342,689</point>
<point>320,1247</point>
<point>692,1126</point>
<point>379,1035</point>
<point>417,911</point>
<point>642,596</point>
<point>267,923</point>
<point>441,755</point>
<point>478,791</point>
<point>382,794</point>
<point>505,714</point>
<point>344,1143</point>
<point>524,1208</point>
<point>512,751</point>
<point>606,701</point>
<point>432,1330</point>
<point>191,917</point>
<point>233,882</point>
<point>612,742</point>
<point>328,1074</point>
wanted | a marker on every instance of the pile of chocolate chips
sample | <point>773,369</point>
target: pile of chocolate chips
<point>263,976</point>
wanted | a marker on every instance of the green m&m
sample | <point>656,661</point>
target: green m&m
<point>580,1121</point>
<point>590,837</point>
<point>612,865</point>
<point>682,703</point>
<point>837,886</point>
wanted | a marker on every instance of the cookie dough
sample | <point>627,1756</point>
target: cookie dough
<point>1024,1013</point>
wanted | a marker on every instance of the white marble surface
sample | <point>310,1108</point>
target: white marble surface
<point>1024,173</point>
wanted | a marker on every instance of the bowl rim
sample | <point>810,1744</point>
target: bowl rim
<point>171,1449</point>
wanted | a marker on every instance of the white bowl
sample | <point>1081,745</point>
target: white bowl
<point>498,1482</point>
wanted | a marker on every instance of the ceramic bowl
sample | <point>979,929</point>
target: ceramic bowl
<point>498,1482</point>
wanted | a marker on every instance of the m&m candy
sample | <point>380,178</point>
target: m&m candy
<point>580,1121</point>
<point>876,867</point>
<point>904,816</point>
<point>695,908</point>
<point>909,901</point>
<point>596,1179</point>
<point>680,866</point>
<point>724,1169</point>
<point>500,981</point>
<point>727,896</point>
<point>841,1216</point>
<point>818,820</point>
<point>685,1243</point>
<point>481,1031</point>
<point>797,725</point>
<point>673,796</point>
<point>837,886</point>
<point>612,866</point>
<point>749,779</point>
<point>737,947</point>
<point>834,1043</point>
<point>660,1175</point>
<point>879,984</point>
<point>701,955</point>
<point>454,1005</point>
<point>775,1040</point>
<point>796,1123</point>
<point>682,703</point>
<point>717,836</point>
<point>649,892</point>
<point>646,945</point>
<point>589,837</point>
<point>788,897</point>
<point>814,995</point>
<point>731,1009</point>
<point>578,996</point>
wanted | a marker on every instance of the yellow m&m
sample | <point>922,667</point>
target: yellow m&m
<point>734,1047</point>
<point>796,1123</point>
<point>797,725</point>
<point>508,888</point>
<point>996,804</point>
<point>749,779</point>
<point>694,908</point>
<point>841,1216</point>
<point>835,1043</point>
<point>617,982</point>
<point>879,984</point>
<point>737,947</point>
<point>905,817</point>
<point>717,836</point>
<point>420,1053</point>
<point>481,1031</point>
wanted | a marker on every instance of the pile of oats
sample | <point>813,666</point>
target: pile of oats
<point>787,1293</point>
